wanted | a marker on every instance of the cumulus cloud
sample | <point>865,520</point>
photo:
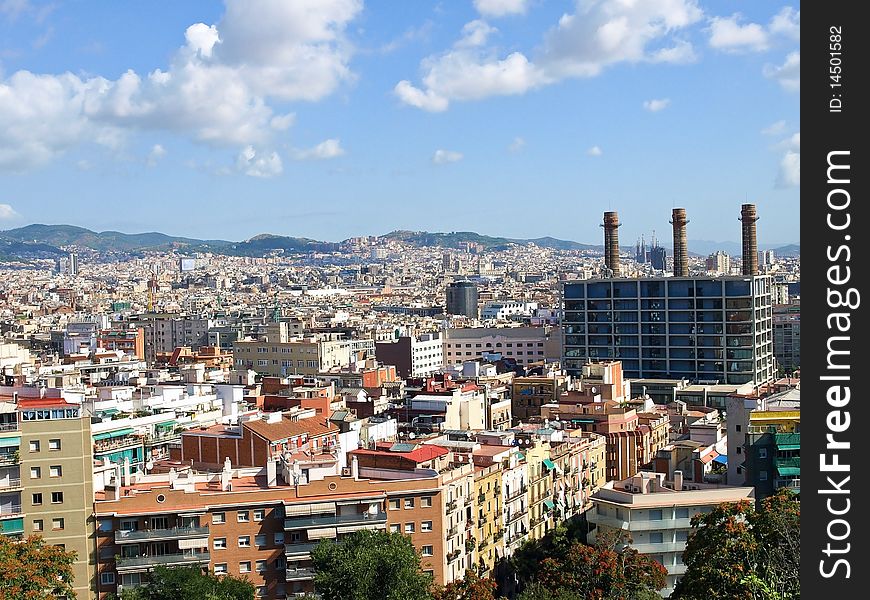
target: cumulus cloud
<point>475,33</point>
<point>729,34</point>
<point>787,22</point>
<point>656,105</point>
<point>788,74</point>
<point>774,128</point>
<point>790,164</point>
<point>598,35</point>
<point>217,88</point>
<point>442,157</point>
<point>517,144</point>
<point>326,149</point>
<point>157,152</point>
<point>595,151</point>
<point>256,164</point>
<point>501,8</point>
<point>7,212</point>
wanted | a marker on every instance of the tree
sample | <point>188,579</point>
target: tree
<point>33,569</point>
<point>370,565</point>
<point>471,587</point>
<point>739,552</point>
<point>538,591</point>
<point>185,583</point>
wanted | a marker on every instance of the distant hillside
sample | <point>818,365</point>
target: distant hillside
<point>11,250</point>
<point>454,239</point>
<point>266,243</point>
<point>790,251</point>
<point>69,235</point>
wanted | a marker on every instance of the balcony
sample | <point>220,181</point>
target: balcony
<point>9,458</point>
<point>299,574</point>
<point>143,563</point>
<point>615,523</point>
<point>153,535</point>
<point>659,548</point>
<point>9,426</point>
<point>332,520</point>
<point>516,494</point>
<point>451,506</point>
<point>452,531</point>
<point>10,483</point>
<point>11,526</point>
<point>10,510</point>
<point>299,551</point>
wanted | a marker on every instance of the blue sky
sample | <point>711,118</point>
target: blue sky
<point>335,118</point>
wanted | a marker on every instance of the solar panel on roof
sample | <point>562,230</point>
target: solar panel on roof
<point>402,447</point>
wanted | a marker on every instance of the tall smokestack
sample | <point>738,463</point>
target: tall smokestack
<point>681,247</point>
<point>611,243</point>
<point>750,241</point>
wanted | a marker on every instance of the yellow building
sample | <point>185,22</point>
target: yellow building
<point>487,521</point>
<point>542,472</point>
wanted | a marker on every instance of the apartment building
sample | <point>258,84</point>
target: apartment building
<point>307,356</point>
<point>413,356</point>
<point>653,515</point>
<point>526,345</point>
<point>164,332</point>
<point>487,524</point>
<point>529,393</point>
<point>130,341</point>
<point>787,336</point>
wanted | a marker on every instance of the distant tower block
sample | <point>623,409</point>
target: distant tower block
<point>611,243</point>
<point>748,217</point>
<point>681,247</point>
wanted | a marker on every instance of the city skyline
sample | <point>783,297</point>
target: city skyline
<point>203,121</point>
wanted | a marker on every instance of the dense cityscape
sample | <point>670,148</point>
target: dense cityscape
<point>168,408</point>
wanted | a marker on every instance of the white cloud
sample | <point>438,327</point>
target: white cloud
<point>7,212</point>
<point>727,33</point>
<point>501,8</point>
<point>656,105</point>
<point>255,164</point>
<point>216,90</point>
<point>327,149</point>
<point>787,22</point>
<point>789,170</point>
<point>774,128</point>
<point>595,151</point>
<point>517,144</point>
<point>157,152</point>
<point>599,34</point>
<point>475,33</point>
<point>12,9</point>
<point>442,157</point>
<point>788,74</point>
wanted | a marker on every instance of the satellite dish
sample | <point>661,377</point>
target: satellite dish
<point>149,465</point>
<point>412,435</point>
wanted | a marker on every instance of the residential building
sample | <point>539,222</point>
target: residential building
<point>787,336</point>
<point>462,299</point>
<point>413,356</point>
<point>528,394</point>
<point>525,345</point>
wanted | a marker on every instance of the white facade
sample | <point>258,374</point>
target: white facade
<point>427,354</point>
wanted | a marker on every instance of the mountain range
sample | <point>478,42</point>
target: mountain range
<point>48,241</point>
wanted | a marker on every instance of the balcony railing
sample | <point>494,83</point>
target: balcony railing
<point>9,458</point>
<point>296,550</point>
<point>8,426</point>
<point>10,483</point>
<point>146,562</point>
<point>174,533</point>
<point>326,520</point>
<point>10,510</point>
<point>791,484</point>
<point>516,494</point>
<point>299,574</point>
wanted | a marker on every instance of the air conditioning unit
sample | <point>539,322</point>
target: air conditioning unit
<point>345,472</point>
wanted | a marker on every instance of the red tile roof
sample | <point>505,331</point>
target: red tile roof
<point>286,428</point>
<point>418,455</point>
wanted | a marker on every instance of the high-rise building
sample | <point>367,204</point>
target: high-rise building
<point>719,262</point>
<point>658,258</point>
<point>462,299</point>
<point>73,264</point>
<point>697,328</point>
<point>787,336</point>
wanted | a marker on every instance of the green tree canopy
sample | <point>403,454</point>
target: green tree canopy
<point>33,569</point>
<point>370,565</point>
<point>186,583</point>
<point>738,552</point>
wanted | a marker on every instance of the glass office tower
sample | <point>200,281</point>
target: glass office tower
<point>696,328</point>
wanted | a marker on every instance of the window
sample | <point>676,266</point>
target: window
<point>107,578</point>
<point>279,538</point>
<point>104,524</point>
<point>394,504</point>
<point>409,503</point>
<point>244,516</point>
<point>682,536</point>
<point>37,525</point>
<point>34,445</point>
<point>57,497</point>
<point>261,566</point>
<point>655,515</point>
<point>220,569</point>
<point>739,450</point>
<point>259,514</point>
<point>428,551</point>
<point>218,518</point>
<point>656,537</point>
<point>762,476</point>
<point>54,444</point>
<point>295,537</point>
<point>394,528</point>
<point>220,543</point>
<point>57,524</point>
<point>738,429</point>
<point>280,563</point>
<point>55,471</point>
<point>762,453</point>
<point>426,526</point>
<point>260,540</point>
<point>409,528</point>
<point>36,500</point>
<point>426,501</point>
<point>35,472</point>
<point>682,513</point>
<point>244,541</point>
<point>245,566</point>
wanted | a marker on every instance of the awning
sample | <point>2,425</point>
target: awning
<point>113,434</point>
<point>788,446</point>
<point>722,459</point>
<point>167,424</point>
<point>108,411</point>
<point>788,471</point>
<point>521,456</point>
<point>321,532</point>
<point>549,464</point>
<point>549,504</point>
<point>10,442</point>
